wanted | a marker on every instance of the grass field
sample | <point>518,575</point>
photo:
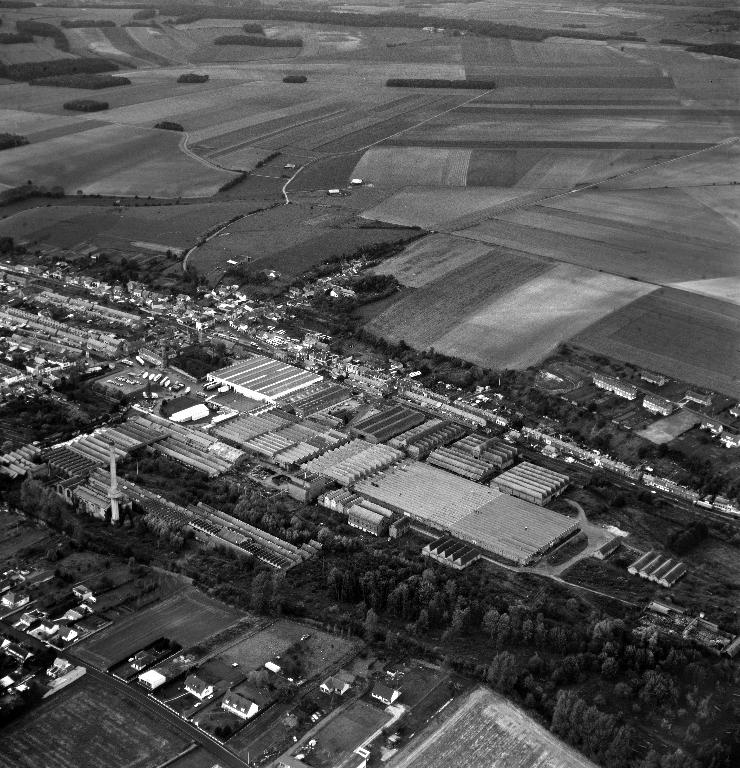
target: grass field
<point>113,160</point>
<point>668,330</point>
<point>431,258</point>
<point>187,617</point>
<point>547,310</point>
<point>345,732</point>
<point>88,726</point>
<point>488,730</point>
<point>321,650</point>
<point>413,166</point>
<point>426,314</point>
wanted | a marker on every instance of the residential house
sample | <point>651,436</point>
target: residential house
<point>334,685</point>
<point>14,600</point>
<point>384,694</point>
<point>239,706</point>
<point>197,687</point>
<point>84,593</point>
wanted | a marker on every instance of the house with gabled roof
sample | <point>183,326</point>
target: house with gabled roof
<point>384,694</point>
<point>198,687</point>
<point>239,705</point>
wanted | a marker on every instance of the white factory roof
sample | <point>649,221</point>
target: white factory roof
<point>193,413</point>
<point>263,378</point>
<point>152,678</point>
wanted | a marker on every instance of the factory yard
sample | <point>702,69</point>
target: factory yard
<point>187,617</point>
<point>487,730</point>
<point>88,726</point>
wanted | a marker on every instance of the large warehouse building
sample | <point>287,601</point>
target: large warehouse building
<point>496,522</point>
<point>263,378</point>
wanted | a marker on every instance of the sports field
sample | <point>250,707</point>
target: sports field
<point>88,725</point>
<point>187,617</point>
<point>669,428</point>
<point>487,730</point>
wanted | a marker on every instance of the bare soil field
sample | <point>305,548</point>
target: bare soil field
<point>669,428</point>
<point>667,331</point>
<point>526,324</point>
<point>187,617</point>
<point>426,314</point>
<point>413,166</point>
<point>114,160</point>
<point>434,208</point>
<point>88,726</point>
<point>431,258</point>
<point>651,235</point>
<point>488,730</point>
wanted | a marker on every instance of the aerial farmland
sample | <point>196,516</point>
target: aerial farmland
<point>369,384</point>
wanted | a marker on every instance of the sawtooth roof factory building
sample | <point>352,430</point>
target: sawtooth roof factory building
<point>263,378</point>
<point>495,522</point>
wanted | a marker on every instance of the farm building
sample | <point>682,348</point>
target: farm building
<point>532,483</point>
<point>657,404</point>
<point>418,442</point>
<point>658,568</point>
<point>239,706</point>
<point>440,501</point>
<point>386,424</point>
<point>607,549</point>
<point>152,679</point>
<point>263,378</point>
<point>353,461</point>
<point>617,386</point>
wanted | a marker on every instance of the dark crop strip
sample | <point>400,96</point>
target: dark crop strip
<point>11,38</point>
<point>425,82</point>
<point>33,70</point>
<point>192,77</point>
<point>43,29</point>
<point>10,140</point>
<point>85,105</point>
<point>261,42</point>
<point>85,81</point>
<point>87,23</point>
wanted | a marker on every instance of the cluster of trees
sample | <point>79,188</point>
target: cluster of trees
<point>259,41</point>
<point>89,82</point>
<point>253,28</point>
<point>438,82</point>
<point>43,29</point>
<point>192,77</point>
<point>200,359</point>
<point>87,23</point>
<point>86,105</point>
<point>538,648</point>
<point>166,125</point>
<point>295,79</point>
<point>279,516</point>
<point>728,50</point>
<point>685,540</point>
<point>24,191</point>
<point>9,140</point>
<point>33,70</point>
<point>233,181</point>
<point>12,38</point>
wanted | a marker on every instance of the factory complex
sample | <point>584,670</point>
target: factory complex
<point>263,378</point>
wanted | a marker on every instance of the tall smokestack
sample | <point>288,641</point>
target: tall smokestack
<point>113,494</point>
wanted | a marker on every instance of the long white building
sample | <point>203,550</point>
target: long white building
<point>263,378</point>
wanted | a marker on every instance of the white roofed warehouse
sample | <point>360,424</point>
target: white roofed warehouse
<point>263,378</point>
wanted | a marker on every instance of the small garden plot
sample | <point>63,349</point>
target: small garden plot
<point>339,738</point>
